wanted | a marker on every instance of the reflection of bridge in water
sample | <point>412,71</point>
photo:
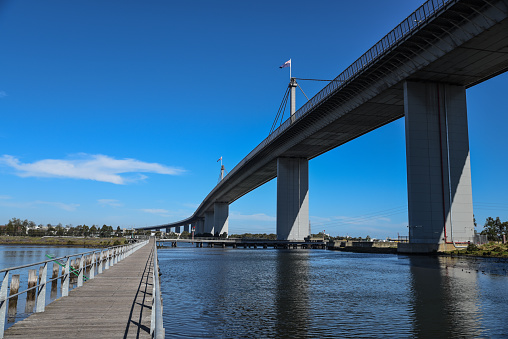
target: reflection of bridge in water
<point>420,70</point>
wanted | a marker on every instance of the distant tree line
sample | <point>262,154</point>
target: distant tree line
<point>18,227</point>
<point>495,229</point>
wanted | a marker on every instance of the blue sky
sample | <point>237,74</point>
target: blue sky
<point>115,112</point>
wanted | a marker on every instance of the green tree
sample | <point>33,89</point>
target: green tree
<point>86,230</point>
<point>60,231</point>
<point>494,229</point>
<point>93,231</point>
<point>118,231</point>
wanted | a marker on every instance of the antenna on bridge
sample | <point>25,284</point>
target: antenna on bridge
<point>291,94</point>
<point>222,170</point>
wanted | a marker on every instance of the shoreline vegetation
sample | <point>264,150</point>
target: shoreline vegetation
<point>62,241</point>
<point>489,250</point>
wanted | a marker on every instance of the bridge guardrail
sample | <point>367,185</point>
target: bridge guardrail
<point>425,12</point>
<point>100,259</point>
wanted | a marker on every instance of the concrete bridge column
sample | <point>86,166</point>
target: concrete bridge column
<point>221,217</point>
<point>177,229</point>
<point>200,228</point>
<point>186,228</point>
<point>209,222</point>
<point>440,203</point>
<point>292,198</point>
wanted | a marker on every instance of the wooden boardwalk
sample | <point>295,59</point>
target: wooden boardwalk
<point>116,304</point>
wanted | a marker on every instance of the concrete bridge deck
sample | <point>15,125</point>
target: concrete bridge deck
<point>116,304</point>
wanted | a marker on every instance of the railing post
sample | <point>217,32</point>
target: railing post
<point>106,263</point>
<point>41,289</point>
<point>156,326</point>
<point>92,268</point>
<point>66,278</point>
<point>112,258</point>
<point>100,263</point>
<point>3,302</point>
<point>81,269</point>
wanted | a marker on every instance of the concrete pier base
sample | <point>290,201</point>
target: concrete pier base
<point>440,203</point>
<point>200,226</point>
<point>292,199</point>
<point>209,223</point>
<point>220,217</point>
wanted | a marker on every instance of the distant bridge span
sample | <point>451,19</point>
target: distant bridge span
<point>419,70</point>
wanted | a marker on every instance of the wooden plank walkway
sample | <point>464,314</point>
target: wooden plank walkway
<point>116,304</point>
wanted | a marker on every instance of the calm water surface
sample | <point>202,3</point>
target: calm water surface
<point>266,293</point>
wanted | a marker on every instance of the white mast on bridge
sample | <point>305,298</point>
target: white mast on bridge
<point>292,93</point>
<point>222,169</point>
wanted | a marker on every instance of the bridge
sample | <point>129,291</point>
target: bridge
<point>420,70</point>
<point>120,297</point>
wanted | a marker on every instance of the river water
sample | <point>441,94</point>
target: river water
<point>267,293</point>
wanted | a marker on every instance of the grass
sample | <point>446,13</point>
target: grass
<point>492,249</point>
<point>61,241</point>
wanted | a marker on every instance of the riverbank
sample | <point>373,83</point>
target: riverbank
<point>61,241</point>
<point>490,250</point>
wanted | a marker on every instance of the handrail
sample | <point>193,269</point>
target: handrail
<point>106,257</point>
<point>156,326</point>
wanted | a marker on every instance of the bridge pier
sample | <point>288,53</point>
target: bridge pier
<point>177,229</point>
<point>221,217</point>
<point>186,228</point>
<point>209,219</point>
<point>440,203</point>
<point>200,226</point>
<point>292,198</point>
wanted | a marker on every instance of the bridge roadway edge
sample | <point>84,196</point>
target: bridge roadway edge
<point>115,304</point>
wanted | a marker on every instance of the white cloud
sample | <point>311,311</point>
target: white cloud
<point>91,167</point>
<point>254,217</point>
<point>3,94</point>
<point>158,211</point>
<point>110,202</point>
<point>33,204</point>
<point>5,197</point>
<point>60,205</point>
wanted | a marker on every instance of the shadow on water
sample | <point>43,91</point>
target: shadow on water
<point>445,299</point>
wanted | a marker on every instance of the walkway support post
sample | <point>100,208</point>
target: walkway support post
<point>3,302</point>
<point>100,262</point>
<point>106,262</point>
<point>292,198</point>
<point>440,206</point>
<point>92,267</point>
<point>41,289</point>
<point>81,271</point>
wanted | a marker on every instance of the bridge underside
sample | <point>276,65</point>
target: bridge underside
<point>462,45</point>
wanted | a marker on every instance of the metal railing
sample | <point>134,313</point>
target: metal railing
<point>156,325</point>
<point>99,259</point>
